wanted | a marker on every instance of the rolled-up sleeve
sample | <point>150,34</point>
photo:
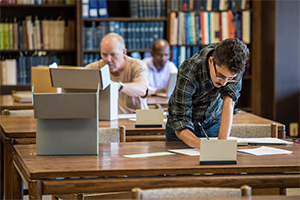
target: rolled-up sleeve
<point>233,89</point>
<point>183,97</point>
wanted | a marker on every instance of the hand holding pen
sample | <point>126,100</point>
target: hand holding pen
<point>203,131</point>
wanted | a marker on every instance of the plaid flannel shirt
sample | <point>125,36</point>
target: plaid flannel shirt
<point>195,98</point>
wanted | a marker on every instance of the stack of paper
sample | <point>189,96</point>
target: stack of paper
<point>262,151</point>
<point>260,141</point>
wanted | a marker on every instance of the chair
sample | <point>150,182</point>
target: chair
<point>18,112</point>
<point>189,192</point>
<point>254,130</point>
<point>107,135</point>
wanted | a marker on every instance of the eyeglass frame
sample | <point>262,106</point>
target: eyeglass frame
<point>222,78</point>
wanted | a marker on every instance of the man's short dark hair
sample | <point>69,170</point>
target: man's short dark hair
<point>232,53</point>
<point>157,44</point>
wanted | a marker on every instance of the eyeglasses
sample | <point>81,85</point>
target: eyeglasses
<point>231,80</point>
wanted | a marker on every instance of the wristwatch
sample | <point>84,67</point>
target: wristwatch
<point>121,86</point>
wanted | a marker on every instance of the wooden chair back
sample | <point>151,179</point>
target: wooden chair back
<point>107,135</point>
<point>189,192</point>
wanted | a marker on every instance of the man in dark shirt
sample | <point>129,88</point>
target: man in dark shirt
<point>207,89</point>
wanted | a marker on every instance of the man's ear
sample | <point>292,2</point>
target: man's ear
<point>210,60</point>
<point>151,53</point>
<point>124,51</point>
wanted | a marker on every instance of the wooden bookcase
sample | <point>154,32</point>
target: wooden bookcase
<point>43,11</point>
<point>263,93</point>
<point>245,101</point>
<point>119,10</point>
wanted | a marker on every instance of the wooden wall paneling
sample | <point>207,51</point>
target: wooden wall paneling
<point>287,68</point>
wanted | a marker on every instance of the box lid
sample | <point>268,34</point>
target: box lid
<point>65,105</point>
<point>80,77</point>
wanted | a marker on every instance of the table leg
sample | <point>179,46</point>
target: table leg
<point>1,169</point>
<point>17,184</point>
<point>35,189</point>
<point>8,150</point>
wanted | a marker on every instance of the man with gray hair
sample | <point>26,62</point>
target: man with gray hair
<point>130,73</point>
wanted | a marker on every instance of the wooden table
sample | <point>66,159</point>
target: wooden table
<point>113,172</point>
<point>7,102</point>
<point>259,197</point>
<point>154,100</point>
<point>22,130</point>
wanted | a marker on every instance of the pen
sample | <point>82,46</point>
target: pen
<point>203,131</point>
<point>296,140</point>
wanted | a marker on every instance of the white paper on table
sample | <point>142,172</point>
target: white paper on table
<point>189,152</point>
<point>127,116</point>
<point>261,151</point>
<point>134,119</point>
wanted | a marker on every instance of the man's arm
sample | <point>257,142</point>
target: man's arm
<point>226,117</point>
<point>134,89</point>
<point>188,138</point>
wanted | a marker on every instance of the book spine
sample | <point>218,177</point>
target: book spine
<point>85,9</point>
<point>93,9</point>
<point>175,55</point>
<point>15,34</point>
<point>133,4</point>
<point>1,35</point>
<point>11,36</point>
<point>6,36</point>
<point>102,9</point>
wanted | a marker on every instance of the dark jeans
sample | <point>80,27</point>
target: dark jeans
<point>211,129</point>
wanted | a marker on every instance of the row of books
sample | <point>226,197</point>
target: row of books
<point>137,35</point>
<point>181,53</point>
<point>90,57</point>
<point>94,9</point>
<point>93,57</point>
<point>209,5</point>
<point>37,34</point>
<point>148,8</point>
<point>190,28</point>
<point>38,2</point>
<point>18,71</point>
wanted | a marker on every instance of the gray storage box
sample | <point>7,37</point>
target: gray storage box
<point>67,123</point>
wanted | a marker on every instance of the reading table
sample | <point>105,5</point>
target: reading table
<point>7,102</point>
<point>22,130</point>
<point>110,171</point>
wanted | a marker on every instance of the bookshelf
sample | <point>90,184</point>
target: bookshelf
<point>121,17</point>
<point>30,43</point>
<point>210,17</point>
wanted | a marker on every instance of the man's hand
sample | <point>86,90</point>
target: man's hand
<point>188,138</point>
<point>163,90</point>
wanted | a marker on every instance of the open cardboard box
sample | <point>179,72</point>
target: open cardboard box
<point>66,123</point>
<point>82,80</point>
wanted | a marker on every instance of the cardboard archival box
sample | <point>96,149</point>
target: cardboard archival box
<point>218,152</point>
<point>80,77</point>
<point>151,118</point>
<point>82,80</point>
<point>40,79</point>
<point>66,124</point>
